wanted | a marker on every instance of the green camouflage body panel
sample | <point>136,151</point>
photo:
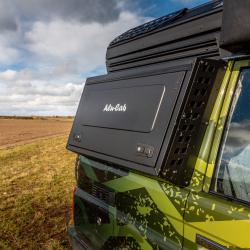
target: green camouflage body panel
<point>222,221</point>
<point>153,214</point>
<point>148,213</point>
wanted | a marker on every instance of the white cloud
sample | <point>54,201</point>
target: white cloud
<point>59,55</point>
<point>8,75</point>
<point>83,44</point>
<point>48,49</point>
<point>9,52</point>
<point>27,99</point>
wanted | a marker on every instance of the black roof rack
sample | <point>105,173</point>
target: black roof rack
<point>166,20</point>
<point>149,26</point>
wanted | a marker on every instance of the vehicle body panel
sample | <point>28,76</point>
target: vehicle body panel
<point>148,213</point>
<point>223,221</point>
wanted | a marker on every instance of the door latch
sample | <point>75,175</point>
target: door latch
<point>144,150</point>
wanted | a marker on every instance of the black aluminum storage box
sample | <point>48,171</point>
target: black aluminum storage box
<point>139,120</point>
<point>150,113</point>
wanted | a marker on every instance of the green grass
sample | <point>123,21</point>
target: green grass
<point>36,187</point>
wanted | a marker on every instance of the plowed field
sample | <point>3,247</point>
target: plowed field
<point>16,133</point>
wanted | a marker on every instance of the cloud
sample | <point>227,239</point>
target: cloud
<point>26,88</point>
<point>9,52</point>
<point>27,99</point>
<point>83,44</point>
<point>8,75</point>
<point>48,48</point>
<point>63,54</point>
<point>84,11</point>
<point>7,18</point>
<point>238,138</point>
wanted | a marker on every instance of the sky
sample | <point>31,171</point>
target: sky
<point>49,47</point>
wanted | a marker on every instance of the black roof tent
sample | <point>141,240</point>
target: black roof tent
<point>150,112</point>
<point>235,36</point>
<point>186,34</point>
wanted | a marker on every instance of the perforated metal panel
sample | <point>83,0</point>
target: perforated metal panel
<point>196,113</point>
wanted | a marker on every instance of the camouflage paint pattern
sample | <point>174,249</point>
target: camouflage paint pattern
<point>153,214</point>
<point>148,212</point>
<point>222,221</point>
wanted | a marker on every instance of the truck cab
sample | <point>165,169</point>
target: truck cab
<point>163,138</point>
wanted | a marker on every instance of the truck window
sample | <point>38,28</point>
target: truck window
<point>232,176</point>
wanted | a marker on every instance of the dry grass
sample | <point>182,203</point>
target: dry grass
<point>36,186</point>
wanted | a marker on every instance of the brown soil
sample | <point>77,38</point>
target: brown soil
<point>16,133</point>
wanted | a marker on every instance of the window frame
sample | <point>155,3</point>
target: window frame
<point>216,165</point>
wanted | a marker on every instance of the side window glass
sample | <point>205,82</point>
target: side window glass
<point>232,176</point>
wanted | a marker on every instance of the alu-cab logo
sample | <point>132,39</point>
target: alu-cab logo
<point>118,107</point>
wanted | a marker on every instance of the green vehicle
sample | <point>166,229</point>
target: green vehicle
<point>163,139</point>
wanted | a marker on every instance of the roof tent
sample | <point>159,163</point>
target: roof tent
<point>235,36</point>
<point>148,111</point>
<point>183,34</point>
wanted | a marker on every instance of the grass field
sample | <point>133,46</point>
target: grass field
<point>36,188</point>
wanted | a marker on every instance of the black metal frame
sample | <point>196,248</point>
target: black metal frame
<point>193,121</point>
